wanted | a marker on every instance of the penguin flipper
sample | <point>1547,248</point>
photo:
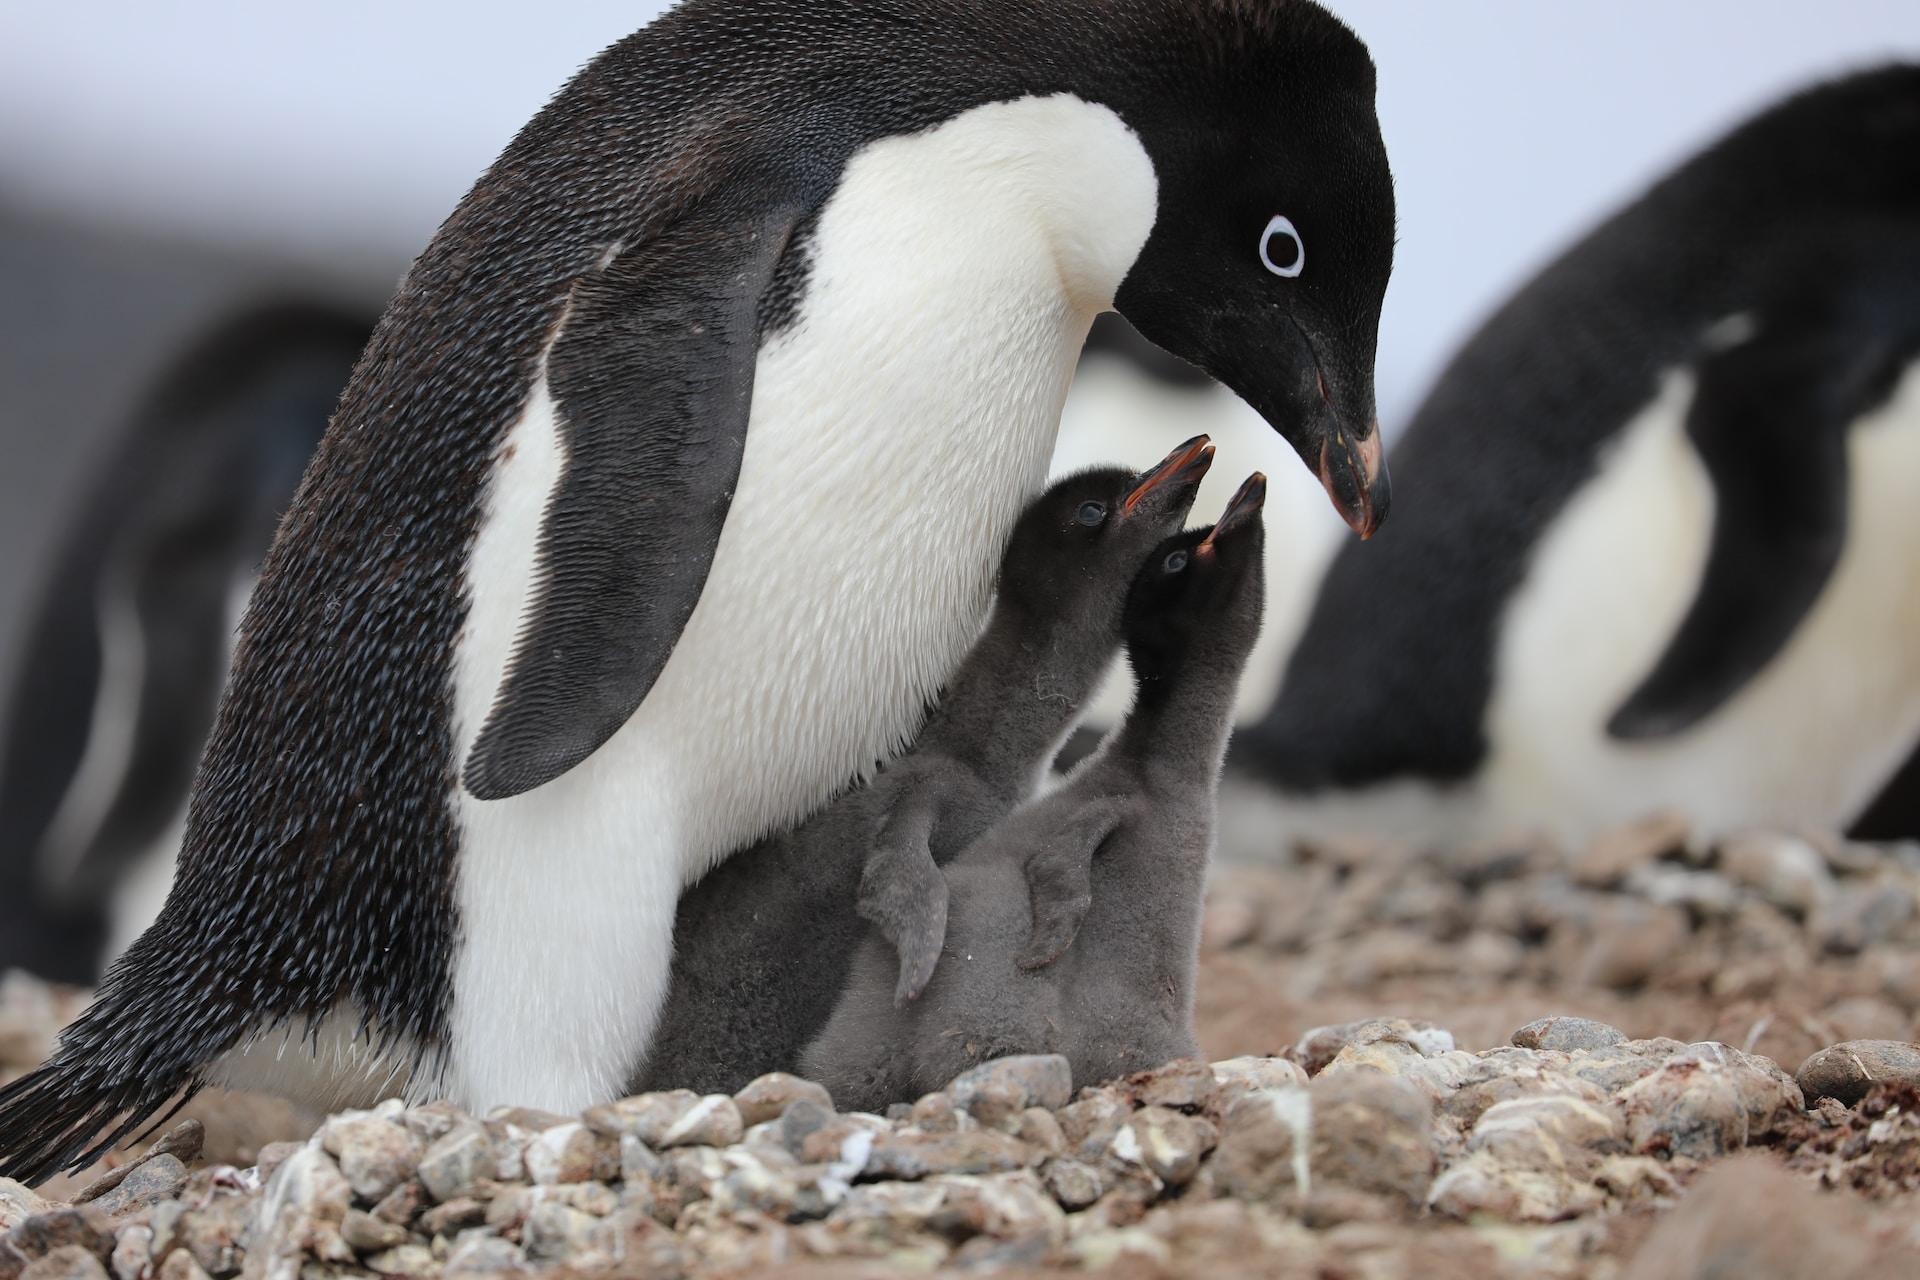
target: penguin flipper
<point>1060,880</point>
<point>903,894</point>
<point>652,380</point>
<point>1770,419</point>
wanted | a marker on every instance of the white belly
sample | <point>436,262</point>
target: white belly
<point>1808,741</point>
<point>896,432</point>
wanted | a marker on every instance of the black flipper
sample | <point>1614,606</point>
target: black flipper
<point>652,379</point>
<point>1770,420</point>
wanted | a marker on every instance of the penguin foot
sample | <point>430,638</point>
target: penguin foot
<point>905,897</point>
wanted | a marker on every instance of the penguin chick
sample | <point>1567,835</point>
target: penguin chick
<point>761,944</point>
<point>1100,882</point>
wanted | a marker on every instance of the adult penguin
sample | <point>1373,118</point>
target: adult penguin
<point>1692,580</point>
<point>670,489</point>
<point>125,651</point>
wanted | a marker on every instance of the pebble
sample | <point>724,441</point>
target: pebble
<point>674,1118</point>
<point>1786,870</point>
<point>996,1091</point>
<point>564,1153</point>
<point>1166,1142</point>
<point>910,1156</point>
<point>1319,1047</point>
<point>768,1097</point>
<point>151,1181</point>
<point>1568,1034</point>
<point>1611,855</point>
<point>457,1160</point>
<point>1846,1071</point>
<point>1707,1101</point>
<point>18,1202</point>
<point>69,1262</point>
<point>1184,1083</point>
<point>375,1154</point>
<point>84,1227</point>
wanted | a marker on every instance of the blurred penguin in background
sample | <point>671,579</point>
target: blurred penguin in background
<point>1657,539</point>
<point>123,659</point>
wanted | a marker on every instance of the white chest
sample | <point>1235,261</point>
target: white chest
<point>896,430</point>
<point>1807,741</point>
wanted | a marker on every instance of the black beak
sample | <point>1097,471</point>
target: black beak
<point>1184,468</point>
<point>1243,510</point>
<point>1356,478</point>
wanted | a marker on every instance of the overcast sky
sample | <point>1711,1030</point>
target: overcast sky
<point>352,127</point>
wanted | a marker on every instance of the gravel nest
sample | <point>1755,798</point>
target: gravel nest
<point>1429,1145</point>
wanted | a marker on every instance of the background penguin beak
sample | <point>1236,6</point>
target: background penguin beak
<point>1187,463</point>
<point>1243,510</point>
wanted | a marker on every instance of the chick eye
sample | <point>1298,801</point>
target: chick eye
<point>1175,562</point>
<point>1092,513</point>
<point>1282,251</point>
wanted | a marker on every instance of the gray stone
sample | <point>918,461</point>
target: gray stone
<point>133,1256</point>
<point>84,1226</point>
<point>1707,1101</point>
<point>1567,1034</point>
<point>1846,1071</point>
<point>68,1262</point>
<point>994,1091</point>
<point>433,1121</point>
<point>375,1154</point>
<point>456,1161</point>
<point>910,1155</point>
<point>1166,1142</point>
<point>368,1234</point>
<point>1090,1123</point>
<point>935,1113</point>
<point>1074,1185</point>
<point>484,1255</point>
<point>151,1181</point>
<point>1610,855</point>
<point>1855,916</point>
<point>802,1119</point>
<point>1704,893</point>
<point>405,1260</point>
<point>1259,1073</point>
<point>18,1202</point>
<point>564,1153</point>
<point>1182,1084</point>
<point>1320,1046</point>
<point>674,1118</point>
<point>768,1097</point>
<point>1783,869</point>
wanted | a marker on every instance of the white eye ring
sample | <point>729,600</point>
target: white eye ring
<point>1283,226</point>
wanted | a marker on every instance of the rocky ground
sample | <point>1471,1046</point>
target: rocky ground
<point>1646,1058</point>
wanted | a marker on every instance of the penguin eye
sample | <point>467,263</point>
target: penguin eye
<point>1092,513</point>
<point>1282,251</point>
<point>1175,562</point>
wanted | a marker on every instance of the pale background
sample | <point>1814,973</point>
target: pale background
<point>160,161</point>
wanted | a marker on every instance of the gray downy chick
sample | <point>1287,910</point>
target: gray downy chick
<point>762,943</point>
<point>1073,927</point>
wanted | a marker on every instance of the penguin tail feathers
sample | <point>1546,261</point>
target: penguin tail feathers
<point>63,1116</point>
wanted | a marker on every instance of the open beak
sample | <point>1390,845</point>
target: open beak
<point>1188,462</point>
<point>1355,479</point>
<point>1242,510</point>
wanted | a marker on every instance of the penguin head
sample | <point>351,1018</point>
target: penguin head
<point>1076,546</point>
<point>1269,256</point>
<point>1198,596</point>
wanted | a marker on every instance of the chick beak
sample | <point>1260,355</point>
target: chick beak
<point>1242,510</point>
<point>1187,461</point>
